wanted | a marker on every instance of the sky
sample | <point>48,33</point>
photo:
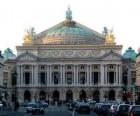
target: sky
<point>16,16</point>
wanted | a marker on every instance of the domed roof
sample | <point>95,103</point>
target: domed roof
<point>70,32</point>
<point>8,54</point>
<point>69,28</point>
<point>130,53</point>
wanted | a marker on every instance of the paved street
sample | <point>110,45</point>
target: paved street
<point>50,111</point>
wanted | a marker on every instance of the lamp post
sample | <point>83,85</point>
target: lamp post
<point>15,97</point>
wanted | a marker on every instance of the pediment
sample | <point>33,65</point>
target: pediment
<point>27,56</point>
<point>111,56</point>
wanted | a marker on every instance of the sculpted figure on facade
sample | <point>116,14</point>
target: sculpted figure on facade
<point>110,39</point>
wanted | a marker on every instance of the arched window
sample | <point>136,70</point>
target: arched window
<point>27,95</point>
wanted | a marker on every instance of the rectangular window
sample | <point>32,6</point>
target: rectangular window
<point>27,77</point>
<point>111,77</point>
<point>42,78</point>
<point>96,77</point>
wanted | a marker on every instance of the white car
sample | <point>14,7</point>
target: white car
<point>1,105</point>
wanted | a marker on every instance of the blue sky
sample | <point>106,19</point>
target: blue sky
<point>18,15</point>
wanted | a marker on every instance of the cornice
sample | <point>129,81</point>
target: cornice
<point>40,46</point>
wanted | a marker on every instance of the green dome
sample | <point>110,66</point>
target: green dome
<point>8,54</point>
<point>130,53</point>
<point>70,32</point>
<point>69,28</point>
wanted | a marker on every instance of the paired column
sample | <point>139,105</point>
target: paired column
<point>102,74</point>
<point>64,79</point>
<point>88,76</point>
<point>36,75</point>
<point>61,75</point>
<point>74,75</point>
<point>48,76</point>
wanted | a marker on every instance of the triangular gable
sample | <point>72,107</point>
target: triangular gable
<point>27,56</point>
<point>111,56</point>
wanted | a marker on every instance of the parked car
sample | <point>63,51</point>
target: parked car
<point>92,104</point>
<point>123,109</point>
<point>104,109</point>
<point>134,110</point>
<point>97,107</point>
<point>83,108</point>
<point>113,110</point>
<point>45,104</point>
<point>37,109</point>
<point>1,105</point>
<point>29,107</point>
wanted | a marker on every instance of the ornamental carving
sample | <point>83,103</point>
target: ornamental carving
<point>83,53</point>
<point>69,53</point>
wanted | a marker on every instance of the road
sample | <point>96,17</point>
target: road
<point>50,111</point>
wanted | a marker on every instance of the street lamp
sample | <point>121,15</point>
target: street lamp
<point>15,97</point>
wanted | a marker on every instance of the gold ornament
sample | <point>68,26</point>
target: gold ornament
<point>110,39</point>
<point>28,38</point>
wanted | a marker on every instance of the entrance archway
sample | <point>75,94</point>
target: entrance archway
<point>82,95</point>
<point>42,95</point>
<point>96,95</point>
<point>111,95</point>
<point>55,96</point>
<point>69,95</point>
<point>27,95</point>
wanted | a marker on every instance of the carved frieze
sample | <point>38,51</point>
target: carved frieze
<point>69,53</point>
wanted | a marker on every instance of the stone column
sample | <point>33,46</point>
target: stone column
<point>87,78</point>
<point>18,75</point>
<point>90,74</point>
<point>74,75</point>
<point>61,74</point>
<point>120,77</point>
<point>32,75</point>
<point>116,74</point>
<point>22,80</point>
<point>48,76</point>
<point>36,75</point>
<point>105,74</point>
<point>102,74</point>
<point>64,82</point>
<point>77,76</point>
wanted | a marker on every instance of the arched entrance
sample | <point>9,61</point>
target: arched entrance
<point>27,95</point>
<point>69,95</point>
<point>96,95</point>
<point>111,95</point>
<point>55,96</point>
<point>82,95</point>
<point>42,95</point>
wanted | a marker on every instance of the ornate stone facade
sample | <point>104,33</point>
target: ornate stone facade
<point>69,61</point>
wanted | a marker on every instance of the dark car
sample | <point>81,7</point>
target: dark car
<point>83,108</point>
<point>37,109</point>
<point>134,110</point>
<point>123,110</point>
<point>29,107</point>
<point>104,109</point>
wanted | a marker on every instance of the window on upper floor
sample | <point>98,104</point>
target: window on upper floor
<point>55,66</point>
<point>68,67</point>
<point>82,67</point>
